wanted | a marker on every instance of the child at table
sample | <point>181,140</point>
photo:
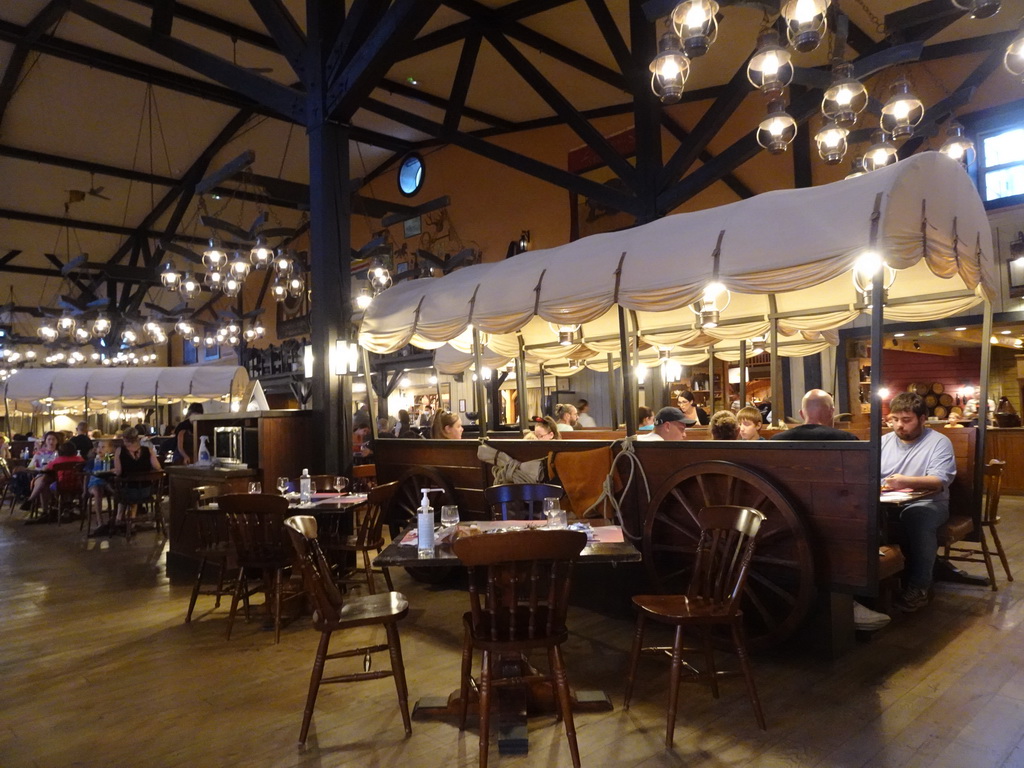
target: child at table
<point>46,451</point>
<point>67,465</point>
<point>97,488</point>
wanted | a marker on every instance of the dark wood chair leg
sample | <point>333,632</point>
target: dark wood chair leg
<point>1001,552</point>
<point>277,605</point>
<point>740,641</point>
<point>485,706</point>
<point>634,657</point>
<point>709,661</point>
<point>195,591</point>
<point>314,683</point>
<point>369,573</point>
<point>673,686</point>
<point>987,555</point>
<point>234,606</point>
<point>565,701</point>
<point>467,668</point>
<point>398,672</point>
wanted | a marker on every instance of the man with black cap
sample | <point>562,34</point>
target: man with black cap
<point>669,424</point>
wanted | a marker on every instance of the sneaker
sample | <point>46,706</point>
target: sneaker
<point>867,620</point>
<point>912,599</point>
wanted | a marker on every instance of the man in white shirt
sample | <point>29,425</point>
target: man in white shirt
<point>565,417</point>
<point>583,417</point>
<point>918,459</point>
<point>669,424</point>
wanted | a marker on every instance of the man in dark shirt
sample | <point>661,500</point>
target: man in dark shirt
<point>81,440</point>
<point>817,410</point>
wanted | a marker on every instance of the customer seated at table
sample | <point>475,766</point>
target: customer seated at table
<point>97,487</point>
<point>669,424</point>
<point>446,426</point>
<point>818,412</point>
<point>68,466</point>
<point>692,413</point>
<point>565,417</point>
<point>5,448</point>
<point>133,458</point>
<point>404,426</point>
<point>644,419</point>
<point>749,420</point>
<point>544,428</point>
<point>46,452</point>
<point>723,426</point>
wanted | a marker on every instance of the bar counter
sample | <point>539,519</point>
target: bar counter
<point>181,559</point>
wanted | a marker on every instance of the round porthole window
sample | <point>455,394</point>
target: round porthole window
<point>410,175</point>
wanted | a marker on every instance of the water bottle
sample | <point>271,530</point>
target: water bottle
<point>425,525</point>
<point>305,495</point>
<point>25,454</point>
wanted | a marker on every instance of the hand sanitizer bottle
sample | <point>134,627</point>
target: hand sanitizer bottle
<point>305,496</point>
<point>204,460</point>
<point>425,525</point>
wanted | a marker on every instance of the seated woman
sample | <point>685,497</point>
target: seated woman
<point>133,458</point>
<point>724,426</point>
<point>446,426</point>
<point>46,451</point>
<point>96,487</point>
<point>692,412</point>
<point>544,428</point>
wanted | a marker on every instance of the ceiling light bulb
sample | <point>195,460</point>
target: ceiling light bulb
<point>695,22</point>
<point>770,69</point>
<point>669,69</point>
<point>903,112</point>
<point>777,131</point>
<point>831,141</point>
<point>958,144</point>
<point>214,256</point>
<point>1014,58</point>
<point>806,23</point>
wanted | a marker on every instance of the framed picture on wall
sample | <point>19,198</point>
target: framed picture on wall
<point>462,406</point>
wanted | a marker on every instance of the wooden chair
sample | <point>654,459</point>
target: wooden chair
<point>520,501</point>
<point>70,493</point>
<point>5,485</point>
<point>518,597</point>
<point>366,536</point>
<point>724,551</point>
<point>332,612</point>
<point>364,476</point>
<point>256,529</point>
<point>214,549</point>
<point>952,533</point>
<point>141,491</point>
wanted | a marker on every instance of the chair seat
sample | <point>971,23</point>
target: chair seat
<point>953,530</point>
<point>367,609</point>
<point>890,561</point>
<point>671,608</point>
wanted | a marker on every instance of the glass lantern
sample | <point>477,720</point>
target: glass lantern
<point>777,131</point>
<point>806,23</point>
<point>846,98</point>
<point>770,69</point>
<point>669,69</point>
<point>696,25</point>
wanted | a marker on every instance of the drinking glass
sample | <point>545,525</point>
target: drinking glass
<point>449,515</point>
<point>554,513</point>
<point>282,485</point>
<point>340,483</point>
<point>255,487</point>
<point>312,487</point>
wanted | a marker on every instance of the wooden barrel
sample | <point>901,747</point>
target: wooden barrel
<point>931,401</point>
<point>957,410</point>
<point>937,388</point>
<point>940,412</point>
<point>921,389</point>
<point>946,400</point>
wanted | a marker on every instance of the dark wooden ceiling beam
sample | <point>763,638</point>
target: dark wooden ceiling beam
<point>528,165</point>
<point>562,107</point>
<point>730,179</point>
<point>214,23</point>
<point>290,39</point>
<point>8,257</point>
<point>162,19</point>
<point>116,272</point>
<point>460,83</point>
<point>281,99</point>
<point>89,226</point>
<point>612,37</point>
<point>357,25</point>
<point>100,169</point>
<point>418,94</point>
<point>46,18</point>
<point>399,26</point>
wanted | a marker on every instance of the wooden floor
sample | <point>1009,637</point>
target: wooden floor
<point>97,668</point>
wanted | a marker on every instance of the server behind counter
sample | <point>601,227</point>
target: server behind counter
<point>184,436</point>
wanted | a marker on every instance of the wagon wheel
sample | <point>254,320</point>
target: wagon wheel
<point>780,583</point>
<point>406,503</point>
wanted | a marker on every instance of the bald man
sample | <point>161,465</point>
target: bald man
<point>817,410</point>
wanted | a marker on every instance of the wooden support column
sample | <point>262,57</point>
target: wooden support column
<point>628,402</point>
<point>778,407</point>
<point>522,387</point>
<point>743,373</point>
<point>479,390</point>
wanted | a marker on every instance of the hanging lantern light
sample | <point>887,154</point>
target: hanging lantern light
<point>239,267</point>
<point>261,255</point>
<point>184,328</point>
<point>214,257</point>
<point>777,130</point>
<point>196,339</point>
<point>880,154</point>
<point>47,333</point>
<point>279,289</point>
<point>770,69</point>
<point>806,23</point>
<point>129,336</point>
<point>1014,58</point>
<point>283,266</point>
<point>713,302</point>
<point>214,280</point>
<point>696,25</point>
<point>365,298</point>
<point>669,69</point>
<point>846,98</point>
<point>100,327</point>
<point>209,340</point>
<point>66,325</point>
<point>231,286</point>
<point>864,270</point>
<point>295,286</point>
<point>856,168</point>
<point>379,274</point>
<point>979,9</point>
<point>249,334</point>
<point>189,287</point>
<point>567,333</point>
<point>902,113</point>
<point>958,144</point>
<point>260,329</point>
<point>169,277</point>
<point>831,141</point>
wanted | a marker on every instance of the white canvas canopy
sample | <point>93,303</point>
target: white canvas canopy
<point>793,248</point>
<point>69,387</point>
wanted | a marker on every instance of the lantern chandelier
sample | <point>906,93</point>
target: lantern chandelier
<point>692,27</point>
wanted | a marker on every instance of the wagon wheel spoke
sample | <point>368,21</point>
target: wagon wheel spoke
<point>704,490</point>
<point>765,560</point>
<point>685,504</point>
<point>771,585</point>
<point>751,599</point>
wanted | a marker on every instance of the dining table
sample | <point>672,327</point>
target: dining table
<point>606,544</point>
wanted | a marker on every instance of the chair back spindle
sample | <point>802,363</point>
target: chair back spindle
<point>523,501</point>
<point>724,551</point>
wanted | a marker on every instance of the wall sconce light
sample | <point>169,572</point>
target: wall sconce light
<point>307,361</point>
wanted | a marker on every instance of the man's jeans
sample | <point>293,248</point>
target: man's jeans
<point>919,521</point>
